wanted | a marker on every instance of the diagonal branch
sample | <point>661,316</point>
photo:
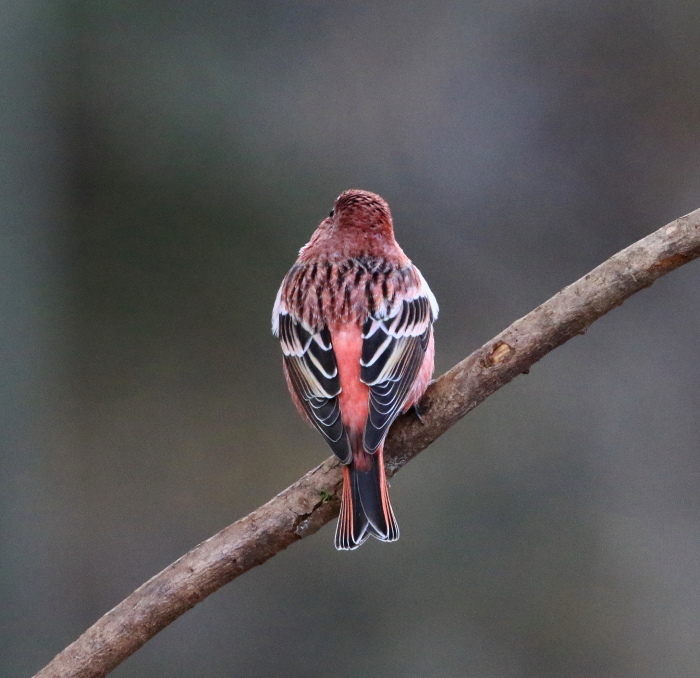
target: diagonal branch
<point>312,501</point>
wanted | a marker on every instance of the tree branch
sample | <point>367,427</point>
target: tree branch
<point>312,501</point>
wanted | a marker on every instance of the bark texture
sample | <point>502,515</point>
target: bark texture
<point>312,501</point>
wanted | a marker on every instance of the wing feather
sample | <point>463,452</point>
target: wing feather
<point>313,374</point>
<point>393,350</point>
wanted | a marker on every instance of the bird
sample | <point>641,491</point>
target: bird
<point>354,317</point>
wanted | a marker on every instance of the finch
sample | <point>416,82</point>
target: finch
<point>355,320</point>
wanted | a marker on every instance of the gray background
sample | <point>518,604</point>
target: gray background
<point>160,165</point>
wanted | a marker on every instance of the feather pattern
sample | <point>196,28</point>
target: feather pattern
<point>311,369</point>
<point>396,309</point>
<point>393,350</point>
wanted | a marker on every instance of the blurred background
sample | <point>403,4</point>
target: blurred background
<point>161,164</point>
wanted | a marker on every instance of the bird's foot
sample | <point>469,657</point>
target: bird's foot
<point>417,412</point>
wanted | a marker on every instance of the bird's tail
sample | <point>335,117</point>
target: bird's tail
<point>365,507</point>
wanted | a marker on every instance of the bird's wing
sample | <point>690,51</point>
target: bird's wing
<point>393,350</point>
<point>313,374</point>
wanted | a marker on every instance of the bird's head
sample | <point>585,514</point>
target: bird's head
<point>361,210</point>
<point>359,224</point>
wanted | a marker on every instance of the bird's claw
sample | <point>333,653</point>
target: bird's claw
<point>417,412</point>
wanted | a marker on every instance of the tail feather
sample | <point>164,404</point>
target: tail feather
<point>365,507</point>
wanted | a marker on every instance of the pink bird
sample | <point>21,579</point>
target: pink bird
<point>355,320</point>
